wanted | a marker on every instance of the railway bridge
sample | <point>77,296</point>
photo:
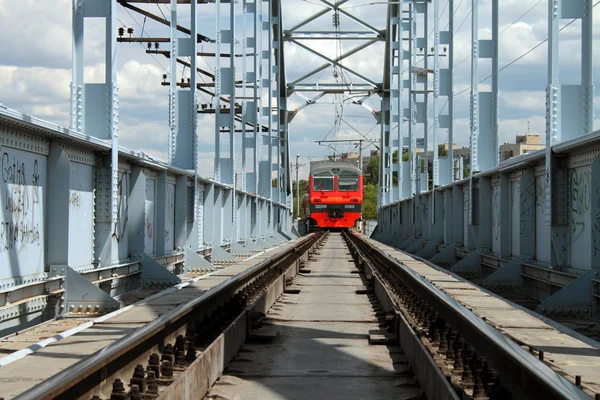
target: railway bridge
<point>126,275</point>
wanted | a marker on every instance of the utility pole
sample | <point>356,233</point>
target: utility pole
<point>298,165</point>
<point>297,185</point>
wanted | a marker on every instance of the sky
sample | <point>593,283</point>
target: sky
<point>35,70</point>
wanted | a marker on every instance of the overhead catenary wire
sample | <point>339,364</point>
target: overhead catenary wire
<point>141,44</point>
<point>442,13</point>
<point>505,29</point>
<point>521,56</point>
<point>144,47</point>
<point>316,4</point>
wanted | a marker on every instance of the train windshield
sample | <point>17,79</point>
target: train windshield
<point>323,181</point>
<point>348,181</point>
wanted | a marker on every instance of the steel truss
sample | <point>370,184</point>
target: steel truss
<point>369,35</point>
<point>519,213</point>
<point>258,131</point>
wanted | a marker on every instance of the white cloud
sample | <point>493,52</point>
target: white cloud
<point>35,71</point>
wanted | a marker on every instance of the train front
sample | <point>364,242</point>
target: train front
<point>335,195</point>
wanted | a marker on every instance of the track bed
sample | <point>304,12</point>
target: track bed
<point>316,342</point>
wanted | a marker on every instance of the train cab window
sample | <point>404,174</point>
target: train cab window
<point>323,181</point>
<point>348,181</point>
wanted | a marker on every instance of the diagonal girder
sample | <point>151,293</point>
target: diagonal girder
<point>313,17</point>
<point>329,35</point>
<point>352,17</point>
<point>334,61</point>
<point>307,102</point>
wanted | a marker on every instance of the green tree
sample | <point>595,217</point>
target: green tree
<point>369,210</point>
<point>303,191</point>
<point>405,156</point>
<point>372,174</point>
<point>442,152</point>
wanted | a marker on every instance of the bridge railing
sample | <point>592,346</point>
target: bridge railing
<point>505,227</point>
<point>60,250</point>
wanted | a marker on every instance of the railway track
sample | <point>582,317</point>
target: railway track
<point>478,360</point>
<point>433,346</point>
<point>205,328</point>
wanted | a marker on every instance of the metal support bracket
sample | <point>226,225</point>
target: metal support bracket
<point>155,274</point>
<point>295,231</point>
<point>577,298</point>
<point>507,276</point>
<point>252,246</point>
<point>469,264</point>
<point>407,243</point>
<point>284,236</point>
<point>219,255</point>
<point>239,250</point>
<point>375,235</point>
<point>397,241</point>
<point>195,263</point>
<point>263,244</point>
<point>446,256</point>
<point>271,240</point>
<point>416,246</point>
<point>82,296</point>
<point>428,251</point>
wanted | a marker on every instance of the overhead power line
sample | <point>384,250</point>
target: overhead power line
<point>505,29</point>
<point>144,47</point>
<point>521,56</point>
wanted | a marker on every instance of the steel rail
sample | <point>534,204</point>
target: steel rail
<point>520,371</point>
<point>71,376</point>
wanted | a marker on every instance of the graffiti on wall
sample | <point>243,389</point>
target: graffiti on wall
<point>596,220</point>
<point>170,217</point>
<point>22,211</point>
<point>149,213</point>
<point>528,201</point>
<point>496,216</point>
<point>580,202</point>
<point>22,218</point>
<point>122,206</point>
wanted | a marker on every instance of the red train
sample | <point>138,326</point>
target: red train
<point>335,195</point>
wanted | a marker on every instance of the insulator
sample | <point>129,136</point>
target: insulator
<point>130,31</point>
<point>121,31</point>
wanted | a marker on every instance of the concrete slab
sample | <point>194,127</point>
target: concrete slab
<point>328,297</point>
<point>38,333</point>
<point>567,353</point>
<point>41,365</point>
<point>314,387</point>
<point>455,285</point>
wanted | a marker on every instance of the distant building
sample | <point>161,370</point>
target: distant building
<point>349,156</point>
<point>524,144</point>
